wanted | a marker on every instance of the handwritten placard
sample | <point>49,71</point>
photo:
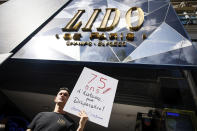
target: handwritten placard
<point>94,93</point>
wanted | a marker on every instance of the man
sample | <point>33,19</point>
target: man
<point>57,120</point>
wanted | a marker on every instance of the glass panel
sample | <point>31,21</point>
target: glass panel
<point>48,47</point>
<point>175,57</point>
<point>164,43</point>
<point>174,22</point>
<point>125,5</point>
<point>98,54</point>
<point>167,58</point>
<point>195,45</point>
<point>119,4</point>
<point>160,0</point>
<point>147,30</point>
<point>129,2</point>
<point>123,52</point>
<point>155,5</point>
<point>143,6</point>
<point>83,4</point>
<point>156,17</point>
<point>188,55</point>
<point>163,39</point>
<point>54,27</point>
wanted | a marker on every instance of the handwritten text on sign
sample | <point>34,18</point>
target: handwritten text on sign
<point>94,92</point>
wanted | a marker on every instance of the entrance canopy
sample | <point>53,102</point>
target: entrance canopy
<point>131,32</point>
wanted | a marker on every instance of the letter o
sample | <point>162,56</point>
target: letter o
<point>140,21</point>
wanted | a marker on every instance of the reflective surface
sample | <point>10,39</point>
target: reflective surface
<point>167,43</point>
<point>19,18</point>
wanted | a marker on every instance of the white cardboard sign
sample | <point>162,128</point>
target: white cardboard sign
<point>94,93</point>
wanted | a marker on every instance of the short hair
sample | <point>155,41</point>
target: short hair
<point>64,88</point>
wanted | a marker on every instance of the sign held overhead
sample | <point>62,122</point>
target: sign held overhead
<point>94,93</point>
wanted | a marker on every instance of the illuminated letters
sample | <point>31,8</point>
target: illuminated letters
<point>90,22</point>
<point>105,39</point>
<point>106,18</point>
<point>67,36</point>
<point>140,21</point>
<point>77,36</point>
<point>113,36</point>
<point>71,25</point>
<point>102,37</point>
<point>130,36</point>
<point>121,36</point>
<point>94,35</point>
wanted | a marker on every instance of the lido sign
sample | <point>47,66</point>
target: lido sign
<point>73,26</point>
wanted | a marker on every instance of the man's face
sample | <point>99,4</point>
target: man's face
<point>62,97</point>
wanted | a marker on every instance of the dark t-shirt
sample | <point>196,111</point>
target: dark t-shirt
<point>52,121</point>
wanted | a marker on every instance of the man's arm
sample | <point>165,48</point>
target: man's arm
<point>83,119</point>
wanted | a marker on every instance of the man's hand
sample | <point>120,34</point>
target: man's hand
<point>83,119</point>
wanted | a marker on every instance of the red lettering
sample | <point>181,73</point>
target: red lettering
<point>101,80</point>
<point>92,88</point>
<point>92,78</point>
<point>106,90</point>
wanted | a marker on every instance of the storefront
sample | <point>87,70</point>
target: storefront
<point>140,43</point>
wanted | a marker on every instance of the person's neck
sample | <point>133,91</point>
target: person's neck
<point>59,109</point>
